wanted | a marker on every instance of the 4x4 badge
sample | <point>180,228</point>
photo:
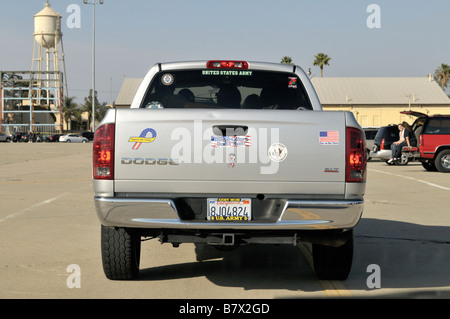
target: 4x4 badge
<point>143,138</point>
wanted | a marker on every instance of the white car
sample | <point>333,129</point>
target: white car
<point>5,137</point>
<point>73,138</point>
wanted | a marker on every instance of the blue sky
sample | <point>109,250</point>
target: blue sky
<point>132,35</point>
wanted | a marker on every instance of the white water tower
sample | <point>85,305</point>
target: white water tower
<point>48,52</point>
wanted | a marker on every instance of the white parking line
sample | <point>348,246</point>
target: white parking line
<point>412,178</point>
<point>45,202</point>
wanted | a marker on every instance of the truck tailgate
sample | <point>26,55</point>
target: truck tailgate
<point>229,151</point>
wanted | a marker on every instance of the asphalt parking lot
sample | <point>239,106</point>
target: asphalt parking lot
<point>50,240</point>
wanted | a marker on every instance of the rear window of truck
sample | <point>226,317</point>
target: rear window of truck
<point>233,89</point>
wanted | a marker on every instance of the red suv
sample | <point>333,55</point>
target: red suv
<point>433,136</point>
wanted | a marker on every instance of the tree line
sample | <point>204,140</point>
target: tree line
<point>320,60</point>
<point>72,112</point>
<point>441,74</point>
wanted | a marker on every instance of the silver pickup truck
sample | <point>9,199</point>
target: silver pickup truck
<point>228,153</point>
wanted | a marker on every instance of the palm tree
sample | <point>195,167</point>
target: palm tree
<point>321,60</point>
<point>287,60</point>
<point>70,109</point>
<point>442,74</point>
<point>100,111</point>
<point>87,106</point>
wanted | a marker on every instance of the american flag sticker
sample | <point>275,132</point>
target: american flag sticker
<point>231,141</point>
<point>329,137</point>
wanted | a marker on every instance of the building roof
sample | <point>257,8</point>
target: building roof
<point>379,91</point>
<point>127,91</point>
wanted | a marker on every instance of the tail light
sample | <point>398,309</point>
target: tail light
<point>356,156</point>
<point>382,144</point>
<point>227,65</point>
<point>103,152</point>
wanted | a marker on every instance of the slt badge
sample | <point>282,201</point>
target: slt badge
<point>143,138</point>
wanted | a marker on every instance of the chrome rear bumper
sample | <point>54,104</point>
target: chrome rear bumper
<point>163,214</point>
<point>382,154</point>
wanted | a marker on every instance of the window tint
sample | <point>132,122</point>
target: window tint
<point>220,88</point>
<point>370,134</point>
<point>389,133</point>
<point>438,126</point>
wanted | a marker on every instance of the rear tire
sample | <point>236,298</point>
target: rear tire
<point>429,166</point>
<point>121,252</point>
<point>442,161</point>
<point>333,263</point>
<point>404,160</point>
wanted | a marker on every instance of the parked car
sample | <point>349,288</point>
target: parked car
<point>44,138</point>
<point>73,138</point>
<point>386,135</point>
<point>20,137</point>
<point>370,133</point>
<point>433,136</point>
<point>35,137</point>
<point>88,135</point>
<point>6,137</point>
<point>53,138</point>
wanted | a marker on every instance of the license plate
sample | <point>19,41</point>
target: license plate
<point>229,209</point>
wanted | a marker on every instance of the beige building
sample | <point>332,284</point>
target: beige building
<point>375,101</point>
<point>126,93</point>
<point>378,101</point>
